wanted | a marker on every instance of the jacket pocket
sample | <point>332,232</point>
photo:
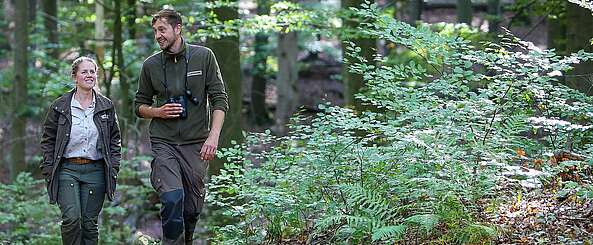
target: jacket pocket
<point>62,119</point>
<point>46,168</point>
<point>196,83</point>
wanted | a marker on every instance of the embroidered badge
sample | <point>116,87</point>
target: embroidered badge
<point>104,116</point>
<point>194,73</point>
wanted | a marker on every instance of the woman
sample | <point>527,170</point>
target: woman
<point>81,154</point>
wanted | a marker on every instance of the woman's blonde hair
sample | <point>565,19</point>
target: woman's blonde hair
<point>79,60</point>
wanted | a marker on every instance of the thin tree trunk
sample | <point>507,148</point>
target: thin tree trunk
<point>9,13</point>
<point>125,109</point>
<point>286,80</point>
<point>6,95</point>
<point>464,11</point>
<point>100,44</point>
<point>131,18</point>
<point>414,8</point>
<point>494,14</point>
<point>19,122</point>
<point>226,50</point>
<point>578,38</point>
<point>50,22</point>
<point>258,87</point>
<point>99,30</point>
<point>556,28</point>
<point>557,35</point>
<point>32,10</point>
<point>353,83</point>
<point>8,32</point>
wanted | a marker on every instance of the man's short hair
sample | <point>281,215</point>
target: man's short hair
<point>173,17</point>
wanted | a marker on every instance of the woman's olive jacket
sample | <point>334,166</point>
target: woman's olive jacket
<point>56,134</point>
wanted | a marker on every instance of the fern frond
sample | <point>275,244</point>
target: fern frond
<point>358,221</point>
<point>510,128</point>
<point>354,221</point>
<point>425,222</point>
<point>370,201</point>
<point>329,221</point>
<point>394,232</point>
<point>475,233</point>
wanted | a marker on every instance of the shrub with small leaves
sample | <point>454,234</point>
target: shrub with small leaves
<point>444,128</point>
<point>26,217</point>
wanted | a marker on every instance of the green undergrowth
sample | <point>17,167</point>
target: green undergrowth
<point>417,161</point>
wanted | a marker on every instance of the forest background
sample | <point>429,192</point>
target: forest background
<point>351,122</point>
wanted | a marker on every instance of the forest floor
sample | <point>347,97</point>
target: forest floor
<point>540,217</point>
<point>530,211</point>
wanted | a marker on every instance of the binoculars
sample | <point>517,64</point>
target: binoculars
<point>182,100</point>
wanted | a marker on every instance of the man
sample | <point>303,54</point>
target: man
<point>188,88</point>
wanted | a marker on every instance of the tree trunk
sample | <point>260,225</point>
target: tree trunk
<point>258,87</point>
<point>464,11</point>
<point>19,122</point>
<point>8,10</point>
<point>6,95</point>
<point>286,80</point>
<point>99,30</point>
<point>125,109</point>
<point>131,18</point>
<point>578,38</point>
<point>354,82</point>
<point>9,13</point>
<point>414,8</point>
<point>100,42</point>
<point>226,50</point>
<point>50,22</point>
<point>494,16</point>
<point>556,28</point>
<point>32,10</point>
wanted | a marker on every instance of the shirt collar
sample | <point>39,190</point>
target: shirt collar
<point>181,52</point>
<point>74,102</point>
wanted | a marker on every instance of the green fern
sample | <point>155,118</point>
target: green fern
<point>357,222</point>
<point>392,232</point>
<point>438,151</point>
<point>370,201</point>
<point>474,234</point>
<point>510,128</point>
<point>329,221</point>
<point>426,222</point>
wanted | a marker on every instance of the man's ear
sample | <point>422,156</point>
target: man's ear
<point>177,29</point>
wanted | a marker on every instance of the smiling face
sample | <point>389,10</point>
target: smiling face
<point>165,34</point>
<point>85,75</point>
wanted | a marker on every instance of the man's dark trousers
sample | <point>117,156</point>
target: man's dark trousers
<point>178,176</point>
<point>81,193</point>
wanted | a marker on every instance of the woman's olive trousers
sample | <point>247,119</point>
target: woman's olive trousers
<point>81,192</point>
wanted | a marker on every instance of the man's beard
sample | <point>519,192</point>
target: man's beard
<point>170,43</point>
<point>168,47</point>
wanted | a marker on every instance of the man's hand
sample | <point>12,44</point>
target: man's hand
<point>172,110</point>
<point>208,151</point>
